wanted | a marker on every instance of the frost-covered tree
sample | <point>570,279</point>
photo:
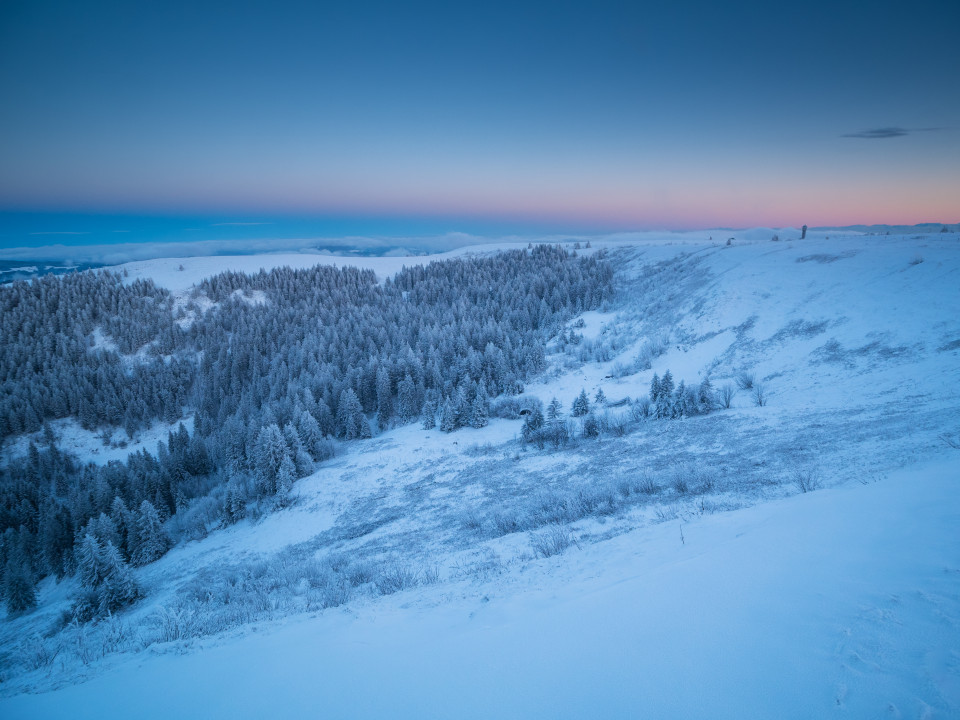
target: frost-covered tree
<point>285,476</point>
<point>479,416</point>
<point>553,411</point>
<point>18,585</point>
<point>461,408</point>
<point>152,542</point>
<point>429,414</point>
<point>581,406</point>
<point>270,450</point>
<point>533,425</point>
<point>706,396</point>
<point>107,578</point>
<point>590,426</point>
<point>407,399</point>
<point>448,418</point>
<point>118,587</point>
<point>313,441</point>
<point>302,463</point>
<point>351,422</point>
<point>384,399</point>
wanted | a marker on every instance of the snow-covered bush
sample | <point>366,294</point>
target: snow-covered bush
<point>395,576</point>
<point>552,541</point>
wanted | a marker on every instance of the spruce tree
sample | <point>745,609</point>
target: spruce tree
<point>407,399</point>
<point>581,406</point>
<point>19,589</point>
<point>270,450</point>
<point>553,411</point>
<point>152,542</point>
<point>429,414</point>
<point>448,418</point>
<point>478,415</point>
<point>118,587</point>
<point>384,399</point>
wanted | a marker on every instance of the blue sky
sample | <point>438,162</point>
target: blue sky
<point>492,117</point>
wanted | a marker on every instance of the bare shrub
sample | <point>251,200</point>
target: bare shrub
<point>806,479</point>
<point>394,577</point>
<point>745,380</point>
<point>616,425</point>
<point>172,624</point>
<point>621,369</point>
<point>360,573</point>
<point>335,595</point>
<point>507,521</point>
<point>552,541</point>
<point>725,395</point>
<point>36,653</point>
<point>471,520</point>
<point>478,450</point>
<point>760,397</point>
<point>430,575</point>
<point>641,409</point>
<point>648,486</point>
<point>692,478</point>
<point>680,483</point>
<point>651,350</point>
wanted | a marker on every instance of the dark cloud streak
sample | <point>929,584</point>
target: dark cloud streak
<point>890,132</point>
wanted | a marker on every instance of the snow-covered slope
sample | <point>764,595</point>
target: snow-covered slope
<point>696,580</point>
<point>837,602</point>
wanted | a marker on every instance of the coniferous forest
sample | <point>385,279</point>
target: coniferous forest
<point>272,368</point>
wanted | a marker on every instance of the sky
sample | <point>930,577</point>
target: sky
<point>430,118</point>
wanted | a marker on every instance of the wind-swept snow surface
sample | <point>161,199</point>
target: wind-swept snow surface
<point>844,602</point>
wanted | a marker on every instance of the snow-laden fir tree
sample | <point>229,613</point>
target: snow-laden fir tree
<point>302,463</point>
<point>461,407</point>
<point>351,422</point>
<point>18,585</point>
<point>269,451</point>
<point>448,418</point>
<point>152,542</point>
<point>118,586</point>
<point>479,412</point>
<point>429,414</point>
<point>581,406</point>
<point>384,399</point>
<point>599,399</point>
<point>407,399</point>
<point>553,411</point>
<point>313,441</point>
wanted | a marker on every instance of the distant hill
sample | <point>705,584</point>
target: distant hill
<point>897,229</point>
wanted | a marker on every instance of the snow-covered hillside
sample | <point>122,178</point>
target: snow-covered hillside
<point>667,568</point>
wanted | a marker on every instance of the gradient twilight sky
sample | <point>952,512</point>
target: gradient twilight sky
<point>557,116</point>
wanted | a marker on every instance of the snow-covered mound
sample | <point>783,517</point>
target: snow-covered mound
<point>667,568</point>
